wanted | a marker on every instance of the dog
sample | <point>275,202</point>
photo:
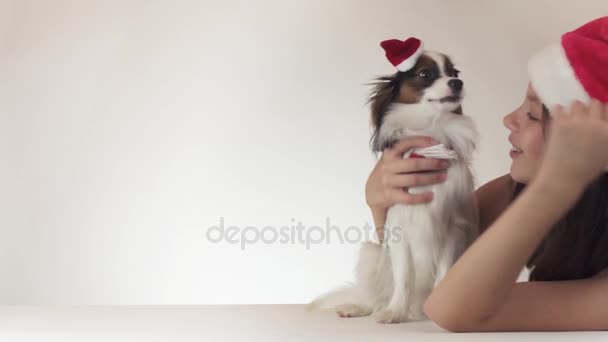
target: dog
<point>422,241</point>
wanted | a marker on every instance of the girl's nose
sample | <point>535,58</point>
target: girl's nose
<point>510,122</point>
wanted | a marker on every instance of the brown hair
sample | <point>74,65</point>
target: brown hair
<point>577,245</point>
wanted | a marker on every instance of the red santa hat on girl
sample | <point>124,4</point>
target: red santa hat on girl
<point>403,54</point>
<point>574,69</point>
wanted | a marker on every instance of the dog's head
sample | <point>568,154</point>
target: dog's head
<point>431,87</point>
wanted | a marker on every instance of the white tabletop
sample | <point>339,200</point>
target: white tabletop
<point>228,323</point>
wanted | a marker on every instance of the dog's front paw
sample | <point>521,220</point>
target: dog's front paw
<point>388,316</point>
<point>353,310</point>
<point>417,316</point>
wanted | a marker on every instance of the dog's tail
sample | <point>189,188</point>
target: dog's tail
<point>345,294</point>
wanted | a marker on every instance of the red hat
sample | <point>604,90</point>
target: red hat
<point>402,54</point>
<point>575,69</point>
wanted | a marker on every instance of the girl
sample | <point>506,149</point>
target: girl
<point>549,213</point>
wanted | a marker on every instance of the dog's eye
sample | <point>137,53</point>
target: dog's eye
<point>425,73</point>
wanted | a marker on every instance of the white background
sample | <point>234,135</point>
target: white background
<point>128,128</point>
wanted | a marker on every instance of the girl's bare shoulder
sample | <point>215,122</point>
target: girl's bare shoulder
<point>493,198</point>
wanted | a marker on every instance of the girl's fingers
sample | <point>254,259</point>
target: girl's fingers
<point>400,196</point>
<point>603,110</point>
<point>416,179</point>
<point>408,143</point>
<point>557,111</point>
<point>581,109</point>
<point>416,165</point>
<point>596,109</point>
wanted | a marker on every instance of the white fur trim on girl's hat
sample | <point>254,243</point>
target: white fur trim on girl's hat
<point>574,69</point>
<point>553,78</point>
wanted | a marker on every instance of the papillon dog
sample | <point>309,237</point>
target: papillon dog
<point>422,241</point>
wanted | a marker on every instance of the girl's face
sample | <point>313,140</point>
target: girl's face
<point>527,138</point>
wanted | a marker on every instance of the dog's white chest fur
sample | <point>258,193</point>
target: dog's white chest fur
<point>422,241</point>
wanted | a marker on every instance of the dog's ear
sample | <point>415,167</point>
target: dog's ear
<point>384,91</point>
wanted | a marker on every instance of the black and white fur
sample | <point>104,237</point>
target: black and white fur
<point>421,241</point>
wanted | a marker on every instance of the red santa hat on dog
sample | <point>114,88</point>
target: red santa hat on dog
<point>403,54</point>
<point>574,69</point>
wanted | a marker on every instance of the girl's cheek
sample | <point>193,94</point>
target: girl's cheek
<point>536,145</point>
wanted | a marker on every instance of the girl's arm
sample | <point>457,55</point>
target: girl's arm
<point>379,216</point>
<point>493,198</point>
<point>480,287</point>
<point>392,173</point>
<point>548,306</point>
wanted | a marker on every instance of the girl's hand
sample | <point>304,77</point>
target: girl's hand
<point>577,147</point>
<point>392,175</point>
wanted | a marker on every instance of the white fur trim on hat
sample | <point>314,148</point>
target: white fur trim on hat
<point>553,78</point>
<point>410,62</point>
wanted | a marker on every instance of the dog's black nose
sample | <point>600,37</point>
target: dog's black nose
<point>455,84</point>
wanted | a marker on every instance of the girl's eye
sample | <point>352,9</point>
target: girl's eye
<point>531,117</point>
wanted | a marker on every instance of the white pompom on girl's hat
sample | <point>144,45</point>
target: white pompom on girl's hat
<point>574,69</point>
<point>403,54</point>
